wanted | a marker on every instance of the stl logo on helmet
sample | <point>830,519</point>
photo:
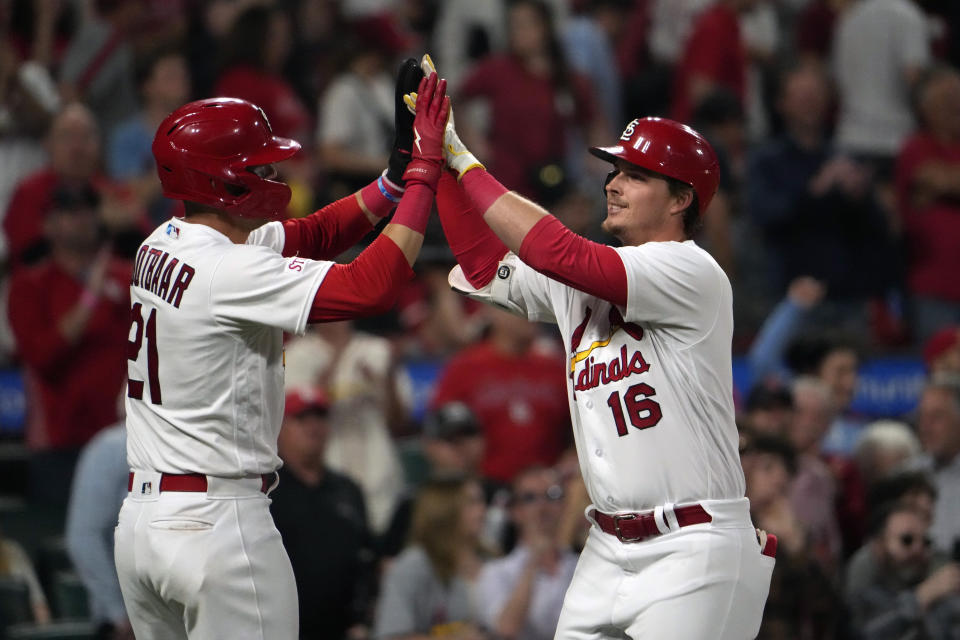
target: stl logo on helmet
<point>629,130</point>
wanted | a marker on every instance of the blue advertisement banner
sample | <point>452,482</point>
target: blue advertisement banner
<point>13,404</point>
<point>886,387</point>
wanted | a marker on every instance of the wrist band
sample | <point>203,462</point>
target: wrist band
<point>390,184</point>
<point>386,194</point>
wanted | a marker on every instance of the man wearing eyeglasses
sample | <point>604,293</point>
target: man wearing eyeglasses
<point>916,592</point>
<point>520,595</point>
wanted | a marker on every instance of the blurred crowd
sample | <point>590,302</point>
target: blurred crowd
<point>452,506</point>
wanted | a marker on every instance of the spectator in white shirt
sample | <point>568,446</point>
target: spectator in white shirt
<point>520,595</point>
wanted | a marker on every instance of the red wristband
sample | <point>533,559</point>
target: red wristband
<point>482,188</point>
<point>380,202</point>
<point>423,172</point>
<point>413,211</point>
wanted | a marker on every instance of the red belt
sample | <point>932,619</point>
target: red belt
<point>634,527</point>
<point>196,482</point>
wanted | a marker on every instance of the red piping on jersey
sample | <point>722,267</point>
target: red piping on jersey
<point>594,268</point>
<point>367,286</point>
<point>477,249</point>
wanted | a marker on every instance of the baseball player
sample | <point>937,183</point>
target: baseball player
<point>197,552</point>
<point>672,552</point>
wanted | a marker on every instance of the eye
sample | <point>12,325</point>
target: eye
<point>264,171</point>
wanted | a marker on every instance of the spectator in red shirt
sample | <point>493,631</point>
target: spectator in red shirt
<point>73,144</point>
<point>715,57</point>
<point>74,147</point>
<point>70,315</point>
<point>516,394</point>
<point>534,101</point>
<point>928,191</point>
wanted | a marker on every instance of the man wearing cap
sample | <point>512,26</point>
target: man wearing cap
<point>941,353</point>
<point>672,551</point>
<point>197,552</point>
<point>452,445</point>
<point>332,562</point>
<point>72,339</point>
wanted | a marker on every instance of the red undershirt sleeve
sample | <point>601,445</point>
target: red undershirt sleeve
<point>477,249</point>
<point>327,233</point>
<point>594,268</point>
<point>367,286</point>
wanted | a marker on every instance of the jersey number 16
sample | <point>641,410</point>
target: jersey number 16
<point>643,412</point>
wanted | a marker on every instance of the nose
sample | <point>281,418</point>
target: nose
<point>610,185</point>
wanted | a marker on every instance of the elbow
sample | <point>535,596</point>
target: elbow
<point>380,301</point>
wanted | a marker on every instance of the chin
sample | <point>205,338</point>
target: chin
<point>611,228</point>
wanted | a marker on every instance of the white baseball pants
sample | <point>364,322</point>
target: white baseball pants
<point>208,566</point>
<point>702,582</point>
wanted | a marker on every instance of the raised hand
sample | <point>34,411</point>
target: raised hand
<point>455,153</point>
<point>409,76</point>
<point>432,106</point>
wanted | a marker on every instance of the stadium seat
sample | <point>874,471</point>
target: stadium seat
<point>70,596</point>
<point>54,631</point>
<point>14,602</point>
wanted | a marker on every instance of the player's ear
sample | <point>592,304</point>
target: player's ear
<point>682,199</point>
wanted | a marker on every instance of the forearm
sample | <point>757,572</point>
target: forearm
<point>477,250</point>
<point>766,353</point>
<point>508,214</point>
<point>72,325</point>
<point>511,619</point>
<point>367,286</point>
<point>410,221</point>
<point>341,224</point>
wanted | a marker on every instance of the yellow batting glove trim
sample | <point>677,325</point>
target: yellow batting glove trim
<point>426,63</point>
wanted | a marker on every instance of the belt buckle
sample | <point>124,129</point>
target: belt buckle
<point>617,518</point>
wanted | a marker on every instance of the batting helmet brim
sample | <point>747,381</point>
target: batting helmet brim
<point>277,150</point>
<point>608,154</point>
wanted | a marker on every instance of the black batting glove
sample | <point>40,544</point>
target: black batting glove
<point>409,76</point>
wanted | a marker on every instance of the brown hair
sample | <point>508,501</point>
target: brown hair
<point>692,222</point>
<point>435,523</point>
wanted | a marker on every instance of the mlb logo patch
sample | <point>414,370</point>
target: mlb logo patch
<point>173,231</point>
<point>146,488</point>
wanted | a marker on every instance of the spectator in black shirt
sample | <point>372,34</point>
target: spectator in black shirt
<point>321,516</point>
<point>816,209</point>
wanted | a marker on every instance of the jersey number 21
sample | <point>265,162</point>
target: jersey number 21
<point>141,330</point>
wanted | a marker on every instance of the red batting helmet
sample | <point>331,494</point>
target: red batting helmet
<point>669,148</point>
<point>205,148</point>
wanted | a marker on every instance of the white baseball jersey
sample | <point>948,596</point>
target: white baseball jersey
<point>205,390</point>
<point>650,386</point>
